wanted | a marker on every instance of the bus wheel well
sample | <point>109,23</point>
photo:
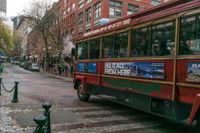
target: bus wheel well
<point>76,84</point>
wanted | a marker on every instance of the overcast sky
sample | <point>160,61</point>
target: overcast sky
<point>16,7</point>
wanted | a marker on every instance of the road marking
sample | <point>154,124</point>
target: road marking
<point>109,128</point>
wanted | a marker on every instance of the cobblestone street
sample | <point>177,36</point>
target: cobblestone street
<point>68,114</point>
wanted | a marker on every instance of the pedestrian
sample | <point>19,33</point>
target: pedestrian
<point>66,69</point>
<point>1,69</point>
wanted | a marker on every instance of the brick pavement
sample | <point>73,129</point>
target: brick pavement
<point>68,114</point>
<point>7,123</point>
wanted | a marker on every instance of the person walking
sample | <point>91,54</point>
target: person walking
<point>1,68</point>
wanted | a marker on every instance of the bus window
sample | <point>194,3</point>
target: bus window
<point>121,46</point>
<point>140,42</point>
<point>190,36</point>
<point>82,50</point>
<point>163,39</point>
<point>108,46</point>
<point>94,48</point>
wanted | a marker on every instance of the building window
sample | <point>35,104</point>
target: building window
<point>80,4</point>
<point>115,9</point>
<point>73,6</point>
<point>88,1</point>
<point>80,19</point>
<point>88,15</point>
<point>132,9</point>
<point>71,19</point>
<point>97,10</point>
<point>65,1</point>
<point>68,9</point>
<point>155,2</point>
<point>64,13</point>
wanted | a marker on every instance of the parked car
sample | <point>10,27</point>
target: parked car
<point>21,64</point>
<point>12,62</point>
<point>16,62</point>
<point>27,65</point>
<point>34,67</point>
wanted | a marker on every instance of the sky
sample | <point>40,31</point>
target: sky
<point>16,7</point>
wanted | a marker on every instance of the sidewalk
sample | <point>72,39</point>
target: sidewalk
<point>68,79</point>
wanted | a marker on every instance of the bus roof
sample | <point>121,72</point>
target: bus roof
<point>159,11</point>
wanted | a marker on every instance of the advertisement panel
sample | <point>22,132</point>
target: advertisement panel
<point>153,70</point>
<point>87,67</point>
<point>193,72</point>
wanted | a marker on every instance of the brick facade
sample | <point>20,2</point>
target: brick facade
<point>73,10</point>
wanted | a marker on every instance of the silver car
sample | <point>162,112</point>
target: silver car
<point>34,67</point>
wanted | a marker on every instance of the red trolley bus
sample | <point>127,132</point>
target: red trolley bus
<point>149,61</point>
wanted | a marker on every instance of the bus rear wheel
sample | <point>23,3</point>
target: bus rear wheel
<point>82,96</point>
<point>197,126</point>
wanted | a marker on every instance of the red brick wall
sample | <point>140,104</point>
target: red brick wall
<point>104,13</point>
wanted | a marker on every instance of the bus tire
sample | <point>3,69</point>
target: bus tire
<point>82,96</point>
<point>197,126</point>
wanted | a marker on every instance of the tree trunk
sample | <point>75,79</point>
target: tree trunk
<point>46,53</point>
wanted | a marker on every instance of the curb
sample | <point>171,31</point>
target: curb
<point>68,79</point>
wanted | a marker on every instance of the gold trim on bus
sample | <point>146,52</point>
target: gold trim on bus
<point>137,79</point>
<point>141,25</point>
<point>175,59</point>
<point>189,12</point>
<point>87,60</point>
<point>107,34</point>
<point>164,20</point>
<point>154,22</point>
<point>180,57</point>
<point>92,38</point>
<point>129,43</point>
<point>87,74</point>
<point>101,47</point>
<point>127,59</point>
<point>123,30</point>
<point>99,73</point>
<point>184,57</point>
<point>143,80</point>
<point>188,85</point>
<point>151,58</point>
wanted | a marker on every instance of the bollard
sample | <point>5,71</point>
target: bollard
<point>0,84</point>
<point>46,107</point>
<point>40,120</point>
<point>15,95</point>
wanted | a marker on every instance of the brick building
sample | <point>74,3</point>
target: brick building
<point>3,6</point>
<point>36,47</point>
<point>82,16</point>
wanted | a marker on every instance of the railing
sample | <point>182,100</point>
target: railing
<point>43,121</point>
<point>15,89</point>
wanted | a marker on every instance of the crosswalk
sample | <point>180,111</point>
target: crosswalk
<point>116,120</point>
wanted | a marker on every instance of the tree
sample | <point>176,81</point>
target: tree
<point>41,19</point>
<point>55,27</point>
<point>16,50</point>
<point>5,38</point>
